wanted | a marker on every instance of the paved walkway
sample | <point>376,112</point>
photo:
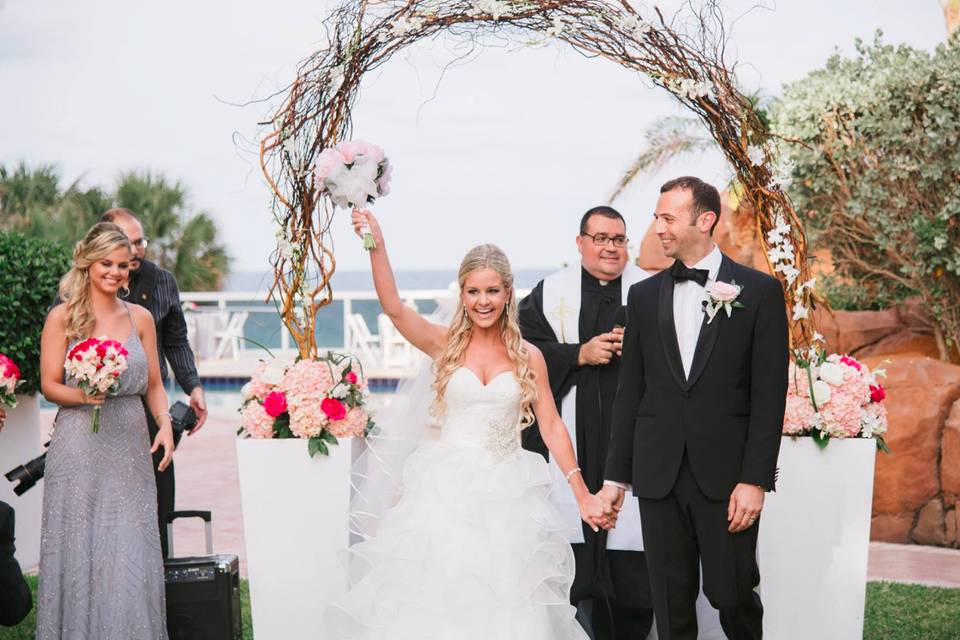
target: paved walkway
<point>206,468</point>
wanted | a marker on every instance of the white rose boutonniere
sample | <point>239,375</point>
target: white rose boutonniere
<point>722,295</point>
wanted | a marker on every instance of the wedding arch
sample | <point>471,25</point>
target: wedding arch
<point>686,61</point>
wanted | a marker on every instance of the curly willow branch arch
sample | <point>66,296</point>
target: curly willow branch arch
<point>362,35</point>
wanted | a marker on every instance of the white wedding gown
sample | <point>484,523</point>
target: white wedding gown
<point>473,550</point>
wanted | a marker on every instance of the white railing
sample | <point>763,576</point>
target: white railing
<point>224,328</point>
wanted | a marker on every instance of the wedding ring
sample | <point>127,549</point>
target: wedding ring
<point>753,519</point>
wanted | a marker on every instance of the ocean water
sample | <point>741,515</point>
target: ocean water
<point>263,325</point>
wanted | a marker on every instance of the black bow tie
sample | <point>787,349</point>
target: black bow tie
<point>681,272</point>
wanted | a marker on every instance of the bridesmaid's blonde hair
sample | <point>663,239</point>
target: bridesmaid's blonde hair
<point>461,328</point>
<point>103,239</point>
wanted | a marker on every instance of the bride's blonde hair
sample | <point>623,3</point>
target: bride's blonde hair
<point>461,328</point>
<point>103,239</point>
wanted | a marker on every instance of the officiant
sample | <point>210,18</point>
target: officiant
<point>575,317</point>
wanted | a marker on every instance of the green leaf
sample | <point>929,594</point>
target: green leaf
<point>313,446</point>
<point>326,436</point>
<point>821,438</point>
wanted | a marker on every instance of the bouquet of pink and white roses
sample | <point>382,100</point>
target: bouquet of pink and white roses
<point>96,365</point>
<point>320,400</point>
<point>834,396</point>
<point>9,381</point>
<point>353,174</point>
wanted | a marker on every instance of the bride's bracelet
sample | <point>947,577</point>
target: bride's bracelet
<point>572,472</point>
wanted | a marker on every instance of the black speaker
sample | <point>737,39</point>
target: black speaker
<point>203,592</point>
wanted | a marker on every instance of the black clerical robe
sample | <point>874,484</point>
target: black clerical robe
<point>596,386</point>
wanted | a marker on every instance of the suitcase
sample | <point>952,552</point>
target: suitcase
<point>203,592</point>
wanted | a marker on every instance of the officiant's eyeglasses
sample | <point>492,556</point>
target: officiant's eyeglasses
<point>602,239</point>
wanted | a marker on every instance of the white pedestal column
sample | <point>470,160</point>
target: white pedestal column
<point>814,540</point>
<point>295,519</point>
<point>22,440</point>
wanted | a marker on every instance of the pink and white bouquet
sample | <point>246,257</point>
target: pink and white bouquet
<point>9,381</point>
<point>353,174</point>
<point>834,396</point>
<point>320,400</point>
<point>96,365</point>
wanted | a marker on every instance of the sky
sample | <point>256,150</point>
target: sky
<point>509,147</point>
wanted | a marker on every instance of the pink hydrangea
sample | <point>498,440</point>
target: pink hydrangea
<point>256,421</point>
<point>352,425</point>
<point>307,384</point>
<point>799,414</point>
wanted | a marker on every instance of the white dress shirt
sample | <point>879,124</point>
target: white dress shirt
<point>688,297</point>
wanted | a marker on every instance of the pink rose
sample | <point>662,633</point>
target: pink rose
<point>275,403</point>
<point>724,291</point>
<point>351,377</point>
<point>877,393</point>
<point>333,408</point>
<point>327,161</point>
<point>850,362</point>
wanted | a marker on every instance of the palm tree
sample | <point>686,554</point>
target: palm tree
<point>664,140</point>
<point>182,242</point>
<point>33,202</point>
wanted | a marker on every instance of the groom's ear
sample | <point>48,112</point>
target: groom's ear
<point>707,221</point>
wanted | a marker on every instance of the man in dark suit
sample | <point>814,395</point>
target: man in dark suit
<point>15,598</point>
<point>698,416</point>
<point>156,290</point>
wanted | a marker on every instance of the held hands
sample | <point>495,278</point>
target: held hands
<point>612,499</point>
<point>364,221</point>
<point>601,349</point>
<point>746,502</point>
<point>592,512</point>
<point>164,439</point>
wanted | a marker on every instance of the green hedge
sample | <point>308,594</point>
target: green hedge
<point>30,269</point>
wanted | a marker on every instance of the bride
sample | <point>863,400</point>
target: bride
<point>473,549</point>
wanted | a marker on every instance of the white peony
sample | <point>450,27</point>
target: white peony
<point>273,374</point>
<point>821,393</point>
<point>831,373</point>
<point>351,186</point>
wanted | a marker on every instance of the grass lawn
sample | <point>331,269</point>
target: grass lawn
<point>894,612</point>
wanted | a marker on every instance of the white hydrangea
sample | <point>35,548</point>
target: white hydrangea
<point>756,154</point>
<point>494,8</point>
<point>635,26</point>
<point>692,89</point>
<point>557,28</point>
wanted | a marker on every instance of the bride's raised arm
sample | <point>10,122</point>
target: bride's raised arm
<point>421,333</point>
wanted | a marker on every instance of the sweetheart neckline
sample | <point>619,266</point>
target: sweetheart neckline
<point>477,378</point>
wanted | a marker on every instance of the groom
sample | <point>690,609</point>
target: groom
<point>697,417</point>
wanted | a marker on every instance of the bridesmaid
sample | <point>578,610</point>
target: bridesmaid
<point>101,570</point>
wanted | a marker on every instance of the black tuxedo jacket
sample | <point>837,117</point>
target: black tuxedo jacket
<point>15,598</point>
<point>728,415</point>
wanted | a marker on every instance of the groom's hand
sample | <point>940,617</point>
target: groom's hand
<point>612,498</point>
<point>746,502</point>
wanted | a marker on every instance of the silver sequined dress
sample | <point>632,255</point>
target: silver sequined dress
<point>101,569</point>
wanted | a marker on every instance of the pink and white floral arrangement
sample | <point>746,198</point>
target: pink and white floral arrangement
<point>319,400</point>
<point>96,365</point>
<point>9,381</point>
<point>353,174</point>
<point>834,396</point>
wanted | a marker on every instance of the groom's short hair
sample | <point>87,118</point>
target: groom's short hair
<point>705,196</point>
<point>603,210</point>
